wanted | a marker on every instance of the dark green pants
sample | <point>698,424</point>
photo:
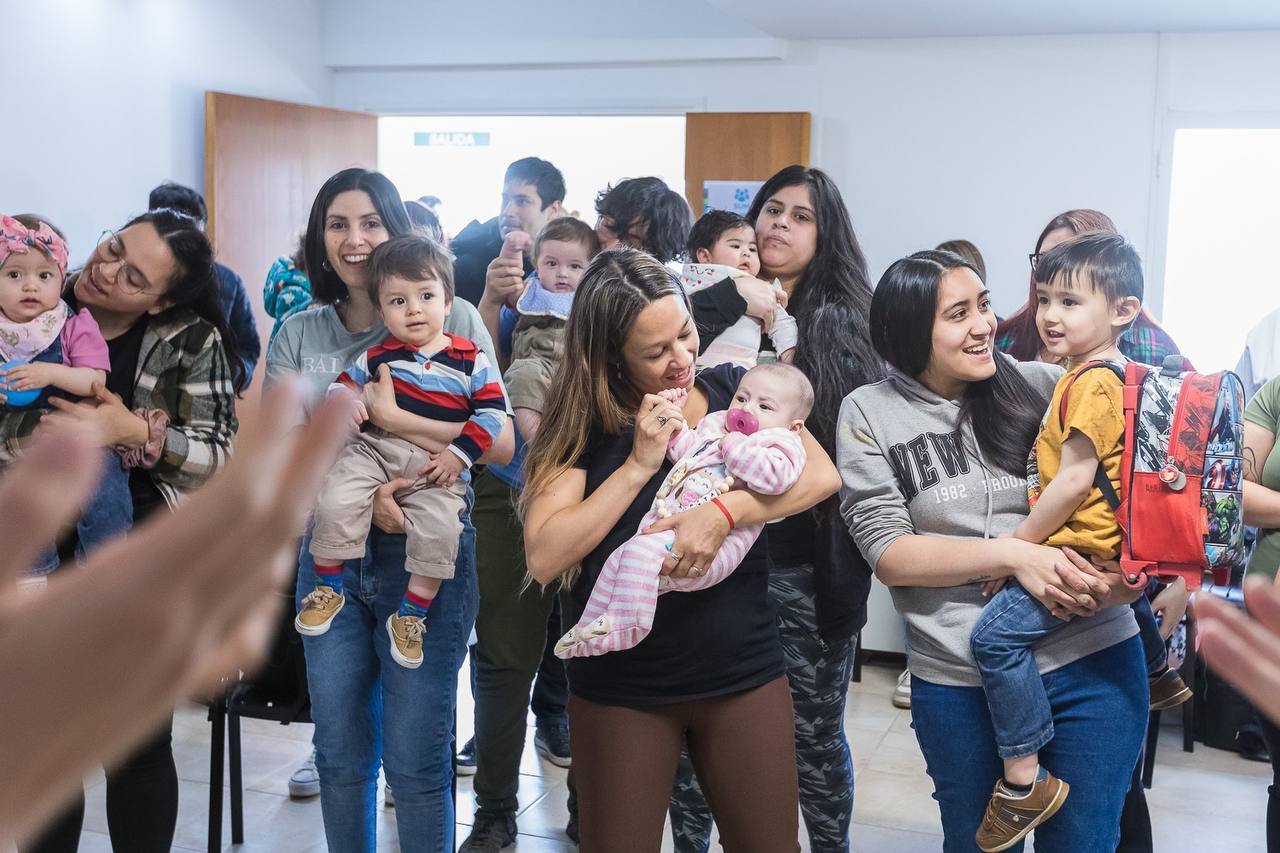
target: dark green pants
<point>511,633</point>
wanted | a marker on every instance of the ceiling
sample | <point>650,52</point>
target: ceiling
<point>504,33</point>
<point>813,19</point>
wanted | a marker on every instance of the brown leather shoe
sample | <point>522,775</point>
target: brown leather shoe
<point>1009,818</point>
<point>1168,690</point>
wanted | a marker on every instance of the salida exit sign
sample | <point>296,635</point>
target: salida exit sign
<point>451,138</point>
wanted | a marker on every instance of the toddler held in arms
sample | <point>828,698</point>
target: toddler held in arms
<point>1088,291</point>
<point>50,350</point>
<point>446,384</point>
<point>755,445</point>
<point>723,245</point>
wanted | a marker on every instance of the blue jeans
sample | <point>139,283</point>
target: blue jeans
<point>370,711</point>
<point>1153,646</point>
<point>1011,623</point>
<point>1099,706</point>
<point>108,513</point>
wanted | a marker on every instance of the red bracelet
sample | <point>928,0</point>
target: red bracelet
<point>721,507</point>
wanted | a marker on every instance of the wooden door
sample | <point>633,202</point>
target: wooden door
<point>740,147</point>
<point>264,162</point>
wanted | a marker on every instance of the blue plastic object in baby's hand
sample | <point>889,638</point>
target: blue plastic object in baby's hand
<point>17,399</point>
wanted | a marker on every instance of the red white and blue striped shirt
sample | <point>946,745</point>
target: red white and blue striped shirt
<point>455,385</point>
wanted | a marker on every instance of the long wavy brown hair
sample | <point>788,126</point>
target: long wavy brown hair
<point>590,388</point>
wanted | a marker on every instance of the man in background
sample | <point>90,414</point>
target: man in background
<point>532,194</point>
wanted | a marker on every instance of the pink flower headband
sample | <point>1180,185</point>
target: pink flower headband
<point>15,238</point>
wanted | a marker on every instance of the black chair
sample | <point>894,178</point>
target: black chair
<point>278,692</point>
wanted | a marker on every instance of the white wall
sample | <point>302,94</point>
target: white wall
<point>109,96</point>
<point>930,139</point>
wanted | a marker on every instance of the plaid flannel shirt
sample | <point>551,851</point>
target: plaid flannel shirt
<point>1142,342</point>
<point>182,371</point>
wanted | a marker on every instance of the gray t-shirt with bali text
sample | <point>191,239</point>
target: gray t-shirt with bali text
<point>316,345</point>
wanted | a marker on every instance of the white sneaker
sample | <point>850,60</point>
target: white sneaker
<point>902,693</point>
<point>305,781</point>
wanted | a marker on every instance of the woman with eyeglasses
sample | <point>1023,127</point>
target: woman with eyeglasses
<point>169,409</point>
<point>1146,341</point>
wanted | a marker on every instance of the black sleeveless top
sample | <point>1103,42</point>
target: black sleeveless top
<point>712,642</point>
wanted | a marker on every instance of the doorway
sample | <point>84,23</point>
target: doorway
<point>461,159</point>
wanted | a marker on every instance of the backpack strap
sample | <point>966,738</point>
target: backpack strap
<point>1103,484</point>
<point>1100,479</point>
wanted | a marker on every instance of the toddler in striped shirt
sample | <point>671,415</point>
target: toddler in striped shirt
<point>755,445</point>
<point>453,405</point>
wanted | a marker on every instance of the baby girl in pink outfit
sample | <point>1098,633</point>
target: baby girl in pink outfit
<point>754,445</point>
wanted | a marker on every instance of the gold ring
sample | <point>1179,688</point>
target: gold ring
<point>677,557</point>
<point>695,571</point>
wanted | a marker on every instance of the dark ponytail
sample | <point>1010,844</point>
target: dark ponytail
<point>194,284</point>
<point>1005,411</point>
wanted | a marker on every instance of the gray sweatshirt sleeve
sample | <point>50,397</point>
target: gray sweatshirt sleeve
<point>872,502</point>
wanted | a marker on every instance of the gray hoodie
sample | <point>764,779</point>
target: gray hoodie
<point>910,467</point>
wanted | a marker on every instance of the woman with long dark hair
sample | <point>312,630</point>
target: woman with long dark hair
<point>1144,341</point>
<point>169,408</point>
<point>933,461</point>
<point>712,668</point>
<point>370,712</point>
<point>819,582</point>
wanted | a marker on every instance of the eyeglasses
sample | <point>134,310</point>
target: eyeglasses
<point>127,276</point>
<point>1034,258</point>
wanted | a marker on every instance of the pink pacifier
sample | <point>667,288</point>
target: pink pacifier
<point>740,420</point>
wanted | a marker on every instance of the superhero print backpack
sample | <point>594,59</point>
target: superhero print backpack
<point>1180,505</point>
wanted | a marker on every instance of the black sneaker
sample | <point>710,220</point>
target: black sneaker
<point>490,834</point>
<point>467,758</point>
<point>552,743</point>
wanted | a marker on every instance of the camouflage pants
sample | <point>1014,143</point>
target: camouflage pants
<point>819,675</point>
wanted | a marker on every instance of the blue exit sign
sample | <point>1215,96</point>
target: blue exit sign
<point>451,139</point>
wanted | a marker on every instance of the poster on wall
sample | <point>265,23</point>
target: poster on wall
<point>729,195</point>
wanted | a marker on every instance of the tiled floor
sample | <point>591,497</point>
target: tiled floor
<point>1210,801</point>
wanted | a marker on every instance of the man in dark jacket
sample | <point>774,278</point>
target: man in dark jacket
<point>532,193</point>
<point>231,293</point>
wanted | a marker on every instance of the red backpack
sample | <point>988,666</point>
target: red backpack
<point>1181,504</point>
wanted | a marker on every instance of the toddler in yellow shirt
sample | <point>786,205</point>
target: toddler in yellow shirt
<point>1088,291</point>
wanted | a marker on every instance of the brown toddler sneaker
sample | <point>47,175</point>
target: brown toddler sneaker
<point>318,610</point>
<point>1168,690</point>
<point>1011,817</point>
<point>406,639</point>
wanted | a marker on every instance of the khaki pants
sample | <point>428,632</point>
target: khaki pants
<point>345,510</point>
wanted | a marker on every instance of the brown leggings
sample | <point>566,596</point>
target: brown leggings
<point>743,750</point>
